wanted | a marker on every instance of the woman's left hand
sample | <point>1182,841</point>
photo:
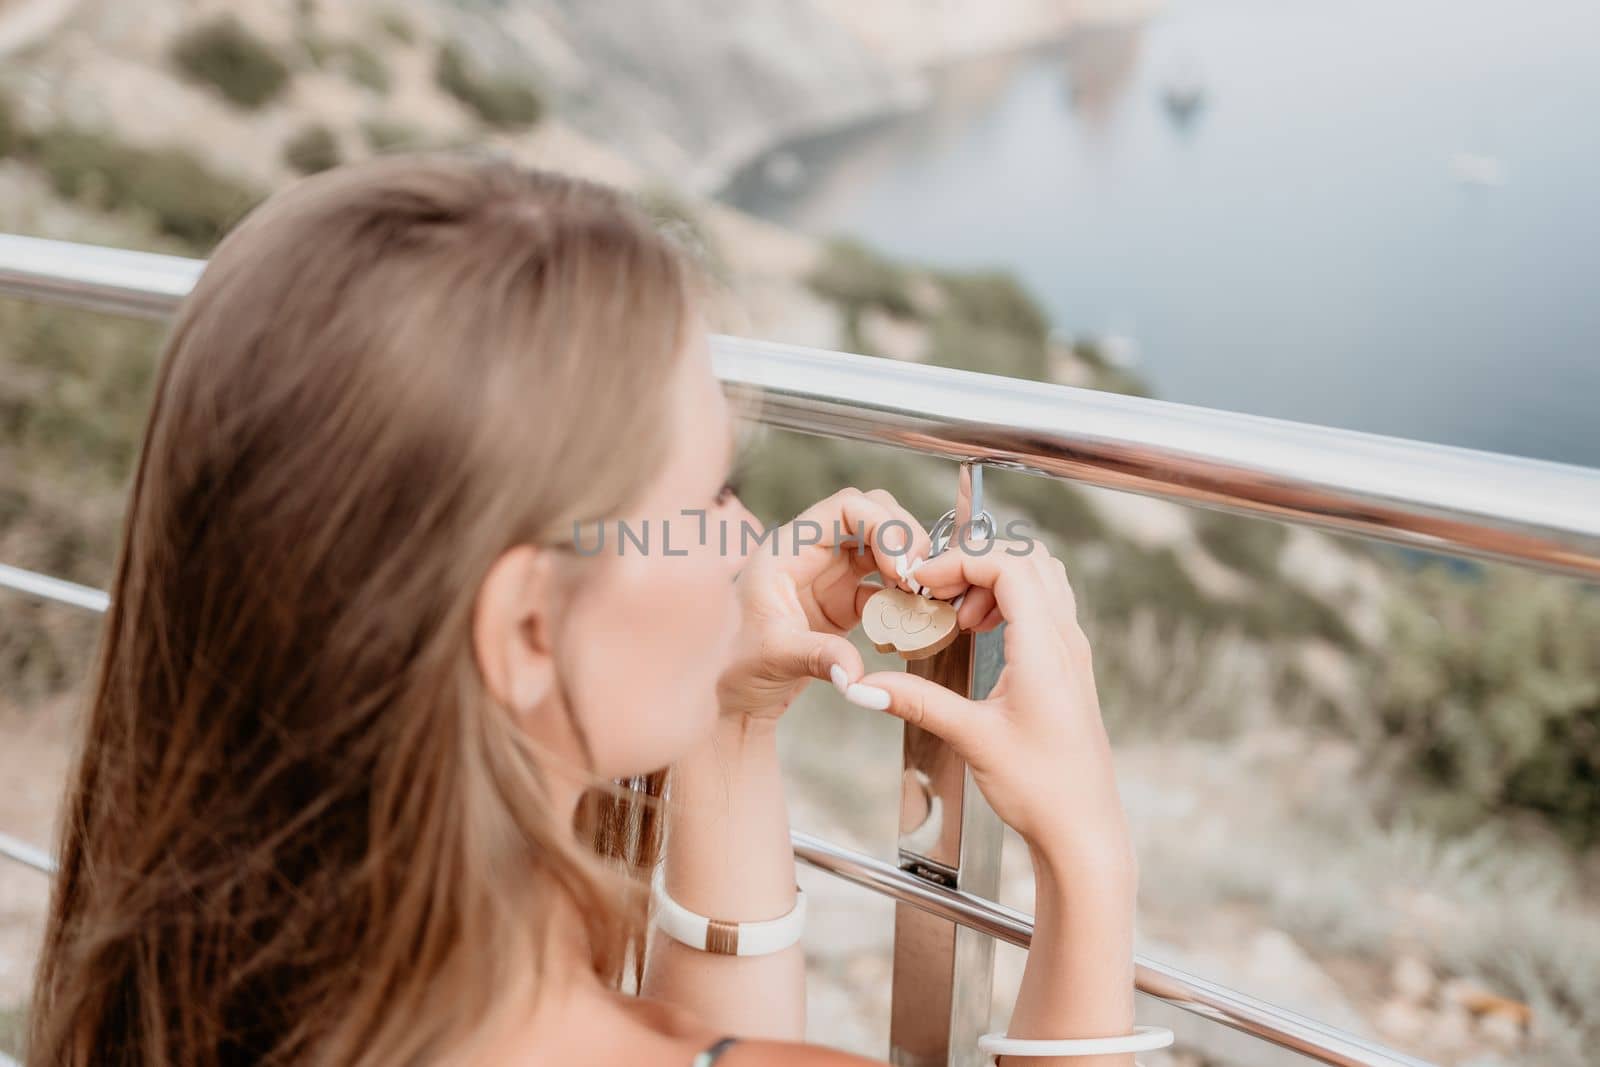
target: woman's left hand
<point>801,595</point>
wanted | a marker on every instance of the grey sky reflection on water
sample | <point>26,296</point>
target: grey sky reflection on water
<point>1310,243</point>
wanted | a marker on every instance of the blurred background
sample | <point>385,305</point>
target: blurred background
<point>1365,782</point>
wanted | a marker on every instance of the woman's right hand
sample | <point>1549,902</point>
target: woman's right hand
<point>1036,745</point>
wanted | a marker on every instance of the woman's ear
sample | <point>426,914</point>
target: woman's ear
<point>510,629</point>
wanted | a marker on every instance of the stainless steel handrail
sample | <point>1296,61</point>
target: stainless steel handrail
<point>54,589</point>
<point>1193,994</point>
<point>116,280</point>
<point>21,852</point>
<point>1533,512</point>
<point>1197,995</point>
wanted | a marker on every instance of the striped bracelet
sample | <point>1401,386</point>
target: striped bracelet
<point>720,936</point>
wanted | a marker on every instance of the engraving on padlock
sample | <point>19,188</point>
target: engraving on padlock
<point>915,627</point>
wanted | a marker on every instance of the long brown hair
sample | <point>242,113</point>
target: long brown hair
<point>299,829</point>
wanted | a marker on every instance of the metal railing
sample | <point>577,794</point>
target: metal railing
<point>1536,513</point>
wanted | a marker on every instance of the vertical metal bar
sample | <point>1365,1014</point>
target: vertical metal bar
<point>944,973</point>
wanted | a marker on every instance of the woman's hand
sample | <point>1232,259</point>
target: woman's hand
<point>802,593</point>
<point>1036,744</point>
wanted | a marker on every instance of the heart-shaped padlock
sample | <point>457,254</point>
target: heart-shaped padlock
<point>914,626</point>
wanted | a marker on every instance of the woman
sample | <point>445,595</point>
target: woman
<point>369,772</point>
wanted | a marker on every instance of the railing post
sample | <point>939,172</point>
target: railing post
<point>944,973</point>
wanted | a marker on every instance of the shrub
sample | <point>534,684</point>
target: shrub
<point>995,300</point>
<point>185,198</point>
<point>1250,546</point>
<point>1280,609</point>
<point>788,472</point>
<point>390,135</point>
<point>956,341</point>
<point>677,218</point>
<point>1490,691</point>
<point>13,1024</point>
<point>10,128</point>
<point>363,66</point>
<point>500,100</point>
<point>396,25</point>
<point>224,54</point>
<point>312,149</point>
<point>1052,506</point>
<point>74,393</point>
<point>318,48</point>
<point>1151,579</point>
<point>856,277</point>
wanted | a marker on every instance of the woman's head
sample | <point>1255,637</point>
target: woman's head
<point>354,665</point>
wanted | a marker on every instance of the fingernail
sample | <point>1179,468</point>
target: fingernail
<point>867,696</point>
<point>904,570</point>
<point>919,561</point>
<point>956,603</point>
<point>841,680</point>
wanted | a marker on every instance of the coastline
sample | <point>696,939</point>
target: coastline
<point>913,90</point>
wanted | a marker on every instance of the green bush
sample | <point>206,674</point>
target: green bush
<point>396,25</point>
<point>500,100</point>
<point>185,198</point>
<point>1052,506</point>
<point>320,50</point>
<point>997,301</point>
<point>10,127</point>
<point>224,54</point>
<point>1250,546</point>
<point>956,341</point>
<point>1141,578</point>
<point>1280,609</point>
<point>1490,691</point>
<point>677,218</point>
<point>788,472</point>
<point>855,277</point>
<point>13,1025</point>
<point>74,392</point>
<point>311,150</point>
<point>390,135</point>
<point>364,67</point>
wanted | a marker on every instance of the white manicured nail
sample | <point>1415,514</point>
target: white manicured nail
<point>867,696</point>
<point>956,603</point>
<point>904,572</point>
<point>841,680</point>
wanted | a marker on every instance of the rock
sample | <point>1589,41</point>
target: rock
<point>1413,979</point>
<point>927,296</point>
<point>1501,1030</point>
<point>897,338</point>
<point>1451,1032</point>
<point>1402,1021</point>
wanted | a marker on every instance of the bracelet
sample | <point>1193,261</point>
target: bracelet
<point>1143,1039</point>
<point>720,936</point>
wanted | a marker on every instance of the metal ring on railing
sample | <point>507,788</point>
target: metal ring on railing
<point>943,530</point>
